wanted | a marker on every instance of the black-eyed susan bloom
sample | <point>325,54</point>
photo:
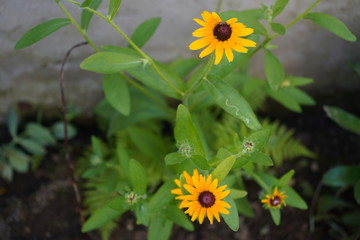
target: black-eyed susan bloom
<point>203,198</point>
<point>221,36</point>
<point>275,200</point>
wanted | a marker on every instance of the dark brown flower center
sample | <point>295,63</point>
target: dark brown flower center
<point>275,201</point>
<point>222,31</point>
<point>206,199</point>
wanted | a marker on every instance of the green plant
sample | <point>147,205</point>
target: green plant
<point>157,116</point>
<point>341,210</point>
<point>24,148</point>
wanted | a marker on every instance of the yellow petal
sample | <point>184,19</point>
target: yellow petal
<point>177,182</point>
<point>191,189</point>
<point>231,20</point>
<point>245,32</point>
<point>210,215</point>
<point>222,204</point>
<point>206,16</point>
<point>202,32</point>
<point>213,185</point>
<point>246,42</point>
<point>223,194</point>
<point>208,50</point>
<point>223,211</point>
<point>239,48</point>
<point>200,43</point>
<point>237,26</point>
<point>202,215</point>
<point>216,17</point>
<point>176,191</point>
<point>229,54</point>
<point>219,51</point>
<point>215,213</point>
<point>200,22</point>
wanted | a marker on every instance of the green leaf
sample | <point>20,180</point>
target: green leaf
<point>96,146</point>
<point>224,167</point>
<point>182,67</point>
<point>284,98</point>
<point>231,101</point>
<point>41,31</point>
<point>342,176</point>
<point>145,31</point>
<point>176,215</point>
<point>85,3</point>
<point>244,207</point>
<point>18,160</point>
<point>174,158</point>
<point>119,204</point>
<point>274,71</point>
<point>58,130</point>
<point>200,162</point>
<point>327,203</point>
<point>236,194</point>
<point>300,96</point>
<point>161,197</point>
<point>186,135</point>
<point>7,172</point>
<point>149,143</point>
<point>114,6</point>
<point>159,229</point>
<point>39,133</point>
<point>149,77</point>
<point>110,62</point>
<point>12,121</point>
<point>351,219</point>
<point>86,15</point>
<point>32,146</point>
<point>259,158</point>
<point>117,93</point>
<point>357,191</point>
<point>275,214</point>
<point>231,219</point>
<point>137,177</point>
<point>298,81</point>
<point>331,24</point>
<point>278,28</point>
<point>343,118</point>
<point>100,217</point>
<point>293,199</point>
<point>279,7</point>
<point>286,178</point>
<point>124,160</point>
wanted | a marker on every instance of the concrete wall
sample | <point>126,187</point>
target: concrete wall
<point>31,74</point>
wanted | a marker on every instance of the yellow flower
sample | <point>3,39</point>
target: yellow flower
<point>177,191</point>
<point>220,36</point>
<point>204,198</point>
<point>276,200</point>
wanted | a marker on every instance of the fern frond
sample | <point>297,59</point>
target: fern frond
<point>282,144</point>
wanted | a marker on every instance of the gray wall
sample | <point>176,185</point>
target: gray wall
<point>31,74</point>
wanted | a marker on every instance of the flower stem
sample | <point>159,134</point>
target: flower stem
<point>77,26</point>
<point>260,182</point>
<point>149,59</point>
<point>218,6</point>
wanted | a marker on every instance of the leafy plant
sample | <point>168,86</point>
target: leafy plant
<point>161,153</point>
<point>24,148</point>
